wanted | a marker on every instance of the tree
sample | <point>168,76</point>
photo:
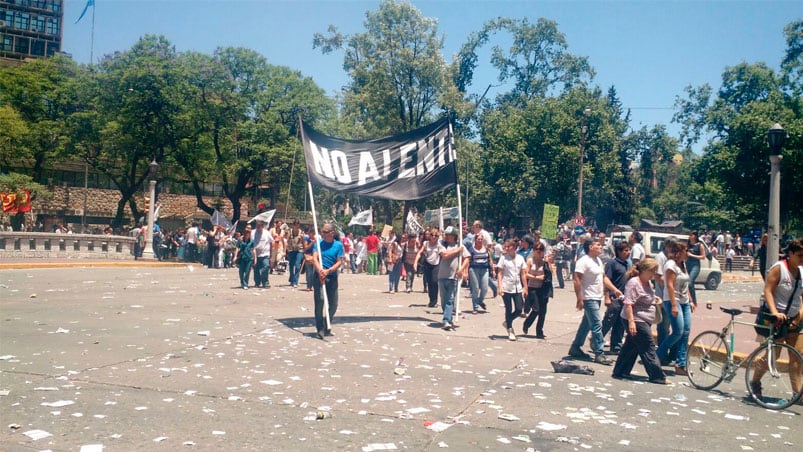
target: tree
<point>133,111</point>
<point>41,96</point>
<point>399,79</point>
<point>245,124</point>
<point>538,61</point>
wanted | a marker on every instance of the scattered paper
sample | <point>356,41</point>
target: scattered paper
<point>37,434</point>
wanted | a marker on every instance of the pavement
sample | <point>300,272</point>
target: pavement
<point>164,357</point>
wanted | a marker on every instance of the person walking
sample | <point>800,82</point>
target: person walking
<point>730,253</point>
<point>477,269</point>
<point>244,256</point>
<point>637,316</point>
<point>616,271</point>
<point>409,254</point>
<point>372,248</point>
<point>678,308</point>
<point>262,242</point>
<point>429,258</point>
<point>512,282</point>
<point>327,257</point>
<point>393,263</point>
<point>761,256</point>
<point>695,256</point>
<point>295,252</point>
<point>590,283</point>
<point>539,289</point>
<point>449,251</point>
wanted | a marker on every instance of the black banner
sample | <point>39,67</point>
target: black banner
<point>403,167</point>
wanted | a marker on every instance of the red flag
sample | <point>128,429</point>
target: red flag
<point>9,202</point>
<point>24,201</point>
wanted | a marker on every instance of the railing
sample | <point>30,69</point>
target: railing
<point>16,245</point>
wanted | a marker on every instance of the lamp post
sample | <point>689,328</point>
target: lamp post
<point>776,137</point>
<point>583,132</point>
<point>147,252</point>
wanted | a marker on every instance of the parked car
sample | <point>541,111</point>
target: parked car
<point>710,273</point>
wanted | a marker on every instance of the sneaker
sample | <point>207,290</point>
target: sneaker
<point>681,371</point>
<point>484,308</point>
<point>575,352</point>
<point>328,333</point>
<point>510,335</point>
<point>540,336</point>
<point>601,359</point>
<point>319,335</point>
<point>755,387</point>
<point>448,326</point>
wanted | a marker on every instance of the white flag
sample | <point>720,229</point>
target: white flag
<point>364,218</point>
<point>412,224</point>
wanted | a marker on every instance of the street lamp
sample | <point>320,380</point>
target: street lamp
<point>147,252</point>
<point>776,137</point>
<point>583,132</point>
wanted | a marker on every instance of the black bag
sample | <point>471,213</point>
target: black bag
<point>764,319</point>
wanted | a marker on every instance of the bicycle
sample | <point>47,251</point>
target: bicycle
<point>710,360</point>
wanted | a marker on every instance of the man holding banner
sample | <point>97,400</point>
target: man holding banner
<point>327,257</point>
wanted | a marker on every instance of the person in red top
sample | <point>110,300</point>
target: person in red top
<point>372,248</point>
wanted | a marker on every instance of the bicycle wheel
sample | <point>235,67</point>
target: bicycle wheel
<point>773,376</point>
<point>706,359</point>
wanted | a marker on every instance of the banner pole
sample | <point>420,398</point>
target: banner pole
<point>459,256</point>
<point>320,256</point>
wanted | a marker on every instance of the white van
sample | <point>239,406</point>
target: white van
<point>710,273</point>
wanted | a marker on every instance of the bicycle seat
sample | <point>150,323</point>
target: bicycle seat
<point>733,312</point>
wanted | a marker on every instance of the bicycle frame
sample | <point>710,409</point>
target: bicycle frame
<point>731,366</point>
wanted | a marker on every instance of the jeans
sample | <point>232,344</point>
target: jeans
<point>478,280</point>
<point>431,276</point>
<point>591,322</point>
<point>373,265</point>
<point>693,265</point>
<point>559,272</point>
<point>244,268</point>
<point>261,270</point>
<point>294,260</point>
<point>681,326</point>
<point>513,302</point>
<point>408,268</point>
<point>310,272</point>
<point>353,263</point>
<point>641,345</point>
<point>331,296</point>
<point>393,277</point>
<point>537,300</point>
<point>612,322</point>
<point>448,290</point>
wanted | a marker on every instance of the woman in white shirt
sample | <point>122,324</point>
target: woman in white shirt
<point>678,308</point>
<point>512,282</point>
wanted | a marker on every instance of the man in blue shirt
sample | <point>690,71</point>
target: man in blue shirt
<point>325,276</point>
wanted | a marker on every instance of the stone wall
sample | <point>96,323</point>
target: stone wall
<point>23,245</point>
<point>100,203</point>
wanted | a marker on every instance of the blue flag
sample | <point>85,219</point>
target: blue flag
<point>88,4</point>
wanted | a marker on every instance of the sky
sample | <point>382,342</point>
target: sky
<point>648,50</point>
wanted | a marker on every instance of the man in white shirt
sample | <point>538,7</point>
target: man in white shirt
<point>637,252</point>
<point>590,283</point>
<point>192,243</point>
<point>262,243</point>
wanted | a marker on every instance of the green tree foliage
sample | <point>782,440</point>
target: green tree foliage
<point>133,108</point>
<point>244,120</point>
<point>735,159</point>
<point>40,94</point>
<point>398,74</point>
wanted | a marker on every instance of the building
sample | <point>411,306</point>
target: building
<point>30,29</point>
